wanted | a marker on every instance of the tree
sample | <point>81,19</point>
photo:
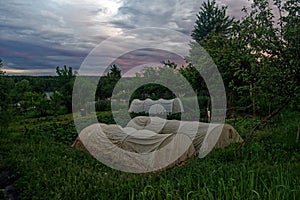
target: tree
<point>258,57</point>
<point>216,33</point>
<point>114,73</point>
<point>107,83</point>
<point>194,78</point>
<point>36,102</point>
<point>275,47</point>
<point>291,52</point>
<point>20,88</point>
<point>66,78</point>
<point>65,72</point>
<point>3,92</point>
<point>211,20</point>
<point>5,100</point>
<point>55,101</point>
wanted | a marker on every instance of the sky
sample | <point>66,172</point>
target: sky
<point>36,36</point>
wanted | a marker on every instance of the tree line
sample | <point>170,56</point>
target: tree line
<point>258,57</point>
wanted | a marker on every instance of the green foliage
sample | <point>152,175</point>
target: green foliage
<point>64,72</point>
<point>66,79</point>
<point>194,78</point>
<point>103,105</point>
<point>105,117</point>
<point>274,79</point>
<point>211,20</point>
<point>56,101</point>
<point>291,52</point>
<point>5,100</point>
<point>152,91</point>
<point>107,83</point>
<point>20,89</point>
<point>157,78</point>
<point>38,84</point>
<point>258,59</point>
<point>27,94</point>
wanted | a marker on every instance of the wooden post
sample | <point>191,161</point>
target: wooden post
<point>208,115</point>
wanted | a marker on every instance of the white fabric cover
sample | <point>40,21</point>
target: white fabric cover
<point>148,143</point>
<point>196,131</point>
<point>170,106</point>
<point>167,104</point>
<point>139,151</point>
<point>157,109</point>
<point>136,106</point>
<point>148,103</point>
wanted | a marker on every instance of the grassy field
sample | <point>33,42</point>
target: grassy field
<point>39,151</point>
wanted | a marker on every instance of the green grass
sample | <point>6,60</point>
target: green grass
<point>268,167</point>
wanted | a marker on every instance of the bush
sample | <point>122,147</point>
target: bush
<point>5,119</point>
<point>103,105</point>
<point>105,117</point>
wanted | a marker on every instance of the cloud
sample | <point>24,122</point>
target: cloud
<point>44,34</point>
<point>174,14</point>
<point>234,8</point>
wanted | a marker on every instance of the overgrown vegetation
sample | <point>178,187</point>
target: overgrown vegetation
<point>39,151</point>
<point>258,58</point>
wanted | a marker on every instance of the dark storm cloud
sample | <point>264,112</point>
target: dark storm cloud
<point>177,15</point>
<point>174,14</point>
<point>33,56</point>
<point>43,34</point>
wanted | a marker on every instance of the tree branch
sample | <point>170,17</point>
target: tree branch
<point>274,113</point>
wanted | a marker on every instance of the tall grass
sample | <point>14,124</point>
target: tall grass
<point>267,167</point>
